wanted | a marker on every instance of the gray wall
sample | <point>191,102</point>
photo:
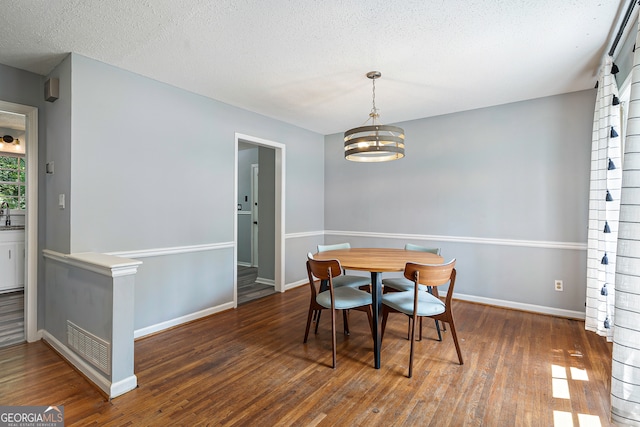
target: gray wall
<point>58,133</point>
<point>21,87</point>
<point>152,172</point>
<point>500,188</point>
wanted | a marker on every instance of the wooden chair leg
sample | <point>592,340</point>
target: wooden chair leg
<point>333,336</point>
<point>455,340</point>
<point>309,316</point>
<point>345,321</point>
<point>413,336</point>
<point>318,320</point>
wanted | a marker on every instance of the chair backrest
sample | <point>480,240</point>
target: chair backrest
<point>411,247</point>
<point>324,269</point>
<point>337,246</point>
<point>430,274</point>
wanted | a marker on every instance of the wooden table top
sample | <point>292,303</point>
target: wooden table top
<point>378,259</point>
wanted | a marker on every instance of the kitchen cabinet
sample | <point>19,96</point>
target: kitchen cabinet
<point>12,260</point>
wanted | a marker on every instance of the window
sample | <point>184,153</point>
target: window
<point>12,181</point>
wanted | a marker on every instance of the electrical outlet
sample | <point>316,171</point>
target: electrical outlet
<point>558,285</point>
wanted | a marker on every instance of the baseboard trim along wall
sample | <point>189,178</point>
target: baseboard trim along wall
<point>268,282</point>
<point>148,330</point>
<point>110,389</point>
<point>559,312</point>
<point>297,284</point>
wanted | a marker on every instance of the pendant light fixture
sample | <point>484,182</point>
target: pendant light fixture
<point>374,142</point>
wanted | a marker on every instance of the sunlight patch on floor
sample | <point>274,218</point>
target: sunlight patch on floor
<point>560,389</point>
<point>579,374</point>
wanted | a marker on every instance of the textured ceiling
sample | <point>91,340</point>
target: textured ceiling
<point>304,62</point>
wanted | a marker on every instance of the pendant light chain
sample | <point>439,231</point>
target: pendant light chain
<point>374,111</point>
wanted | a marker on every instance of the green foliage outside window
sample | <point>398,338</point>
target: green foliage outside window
<point>12,182</point>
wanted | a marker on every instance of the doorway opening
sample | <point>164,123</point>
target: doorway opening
<point>27,248</point>
<point>259,223</point>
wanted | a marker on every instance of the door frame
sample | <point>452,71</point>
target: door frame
<point>31,220</point>
<point>280,154</point>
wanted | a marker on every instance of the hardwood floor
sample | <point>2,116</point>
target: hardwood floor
<point>11,318</point>
<point>249,367</point>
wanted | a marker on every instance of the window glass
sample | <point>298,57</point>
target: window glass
<point>12,182</point>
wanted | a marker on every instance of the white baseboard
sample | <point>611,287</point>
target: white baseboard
<point>244,264</point>
<point>560,312</point>
<point>297,284</point>
<point>121,387</point>
<point>148,330</point>
<point>264,281</point>
<point>110,389</point>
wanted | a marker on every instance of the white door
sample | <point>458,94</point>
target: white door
<point>254,216</point>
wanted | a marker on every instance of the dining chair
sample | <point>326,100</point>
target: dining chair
<point>418,303</point>
<point>343,298</point>
<point>401,284</point>
<point>353,281</point>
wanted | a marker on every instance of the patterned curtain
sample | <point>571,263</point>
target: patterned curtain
<point>604,205</point>
<point>625,368</point>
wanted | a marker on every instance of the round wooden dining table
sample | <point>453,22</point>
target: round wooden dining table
<point>378,261</point>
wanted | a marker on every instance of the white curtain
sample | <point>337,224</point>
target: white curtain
<point>625,368</point>
<point>604,206</point>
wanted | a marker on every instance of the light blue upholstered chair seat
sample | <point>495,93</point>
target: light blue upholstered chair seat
<point>345,298</point>
<point>428,305</point>
<point>400,284</point>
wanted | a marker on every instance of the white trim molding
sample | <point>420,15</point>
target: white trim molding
<point>148,253</point>
<point>460,239</point>
<point>264,281</point>
<point>104,264</point>
<point>304,234</point>
<point>296,284</point>
<point>158,327</point>
<point>521,306</point>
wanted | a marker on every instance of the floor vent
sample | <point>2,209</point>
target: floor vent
<point>95,350</point>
